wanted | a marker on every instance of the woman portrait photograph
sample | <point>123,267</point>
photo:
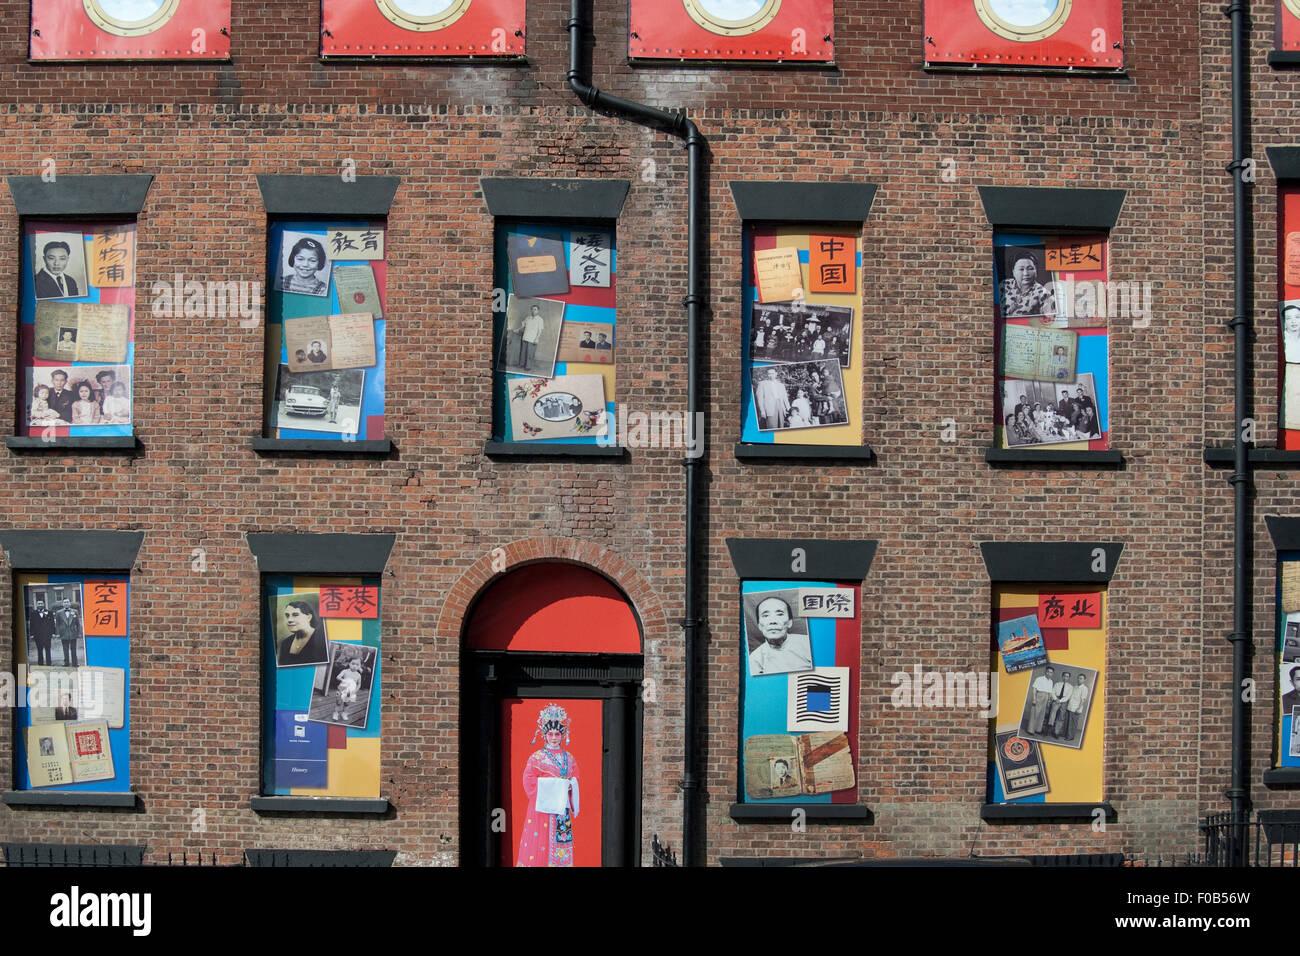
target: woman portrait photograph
<point>1026,288</point>
<point>550,779</point>
<point>298,630</point>
<point>304,268</point>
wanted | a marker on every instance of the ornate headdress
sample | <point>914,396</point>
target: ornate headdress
<point>552,717</point>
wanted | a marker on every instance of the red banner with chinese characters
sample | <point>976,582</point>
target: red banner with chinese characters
<point>105,611</point>
<point>130,30</point>
<point>1048,33</point>
<point>1066,609</point>
<point>442,28</point>
<point>781,30</point>
<point>349,602</point>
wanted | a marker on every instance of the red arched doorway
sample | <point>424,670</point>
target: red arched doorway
<point>556,646</point>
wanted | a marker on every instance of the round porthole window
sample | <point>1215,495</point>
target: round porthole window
<point>130,18</point>
<point>732,18</point>
<point>423,15</point>
<point>1023,20</point>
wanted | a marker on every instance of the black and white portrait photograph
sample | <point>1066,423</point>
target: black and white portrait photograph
<point>303,267</point>
<point>800,395</point>
<point>320,401</point>
<point>1291,330</point>
<point>341,693</point>
<point>1057,704</point>
<point>1049,413</point>
<point>1294,748</point>
<point>789,332</point>
<point>532,336</point>
<point>776,639</point>
<point>1291,639</point>
<point>1289,683</point>
<point>784,782</point>
<point>298,630</point>
<point>59,265</point>
<point>1024,286</point>
<point>53,622</point>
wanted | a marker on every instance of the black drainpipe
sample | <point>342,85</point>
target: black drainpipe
<point>1238,794</point>
<point>680,126</point>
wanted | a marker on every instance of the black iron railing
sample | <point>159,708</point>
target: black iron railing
<point>1263,842</point>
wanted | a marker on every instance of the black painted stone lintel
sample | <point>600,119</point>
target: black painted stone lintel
<point>321,554</point>
<point>1283,58</point>
<point>1057,562</point>
<point>1036,207</point>
<point>768,201</point>
<point>756,451</point>
<point>113,196</point>
<point>555,198</point>
<point>67,798</point>
<point>1285,532</point>
<point>287,195</point>
<point>1045,812</point>
<point>91,550</point>
<point>825,560</point>
<point>1269,459</point>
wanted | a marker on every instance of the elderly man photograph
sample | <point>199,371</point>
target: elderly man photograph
<point>781,652</point>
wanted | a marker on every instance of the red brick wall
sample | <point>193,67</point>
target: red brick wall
<point>205,132</point>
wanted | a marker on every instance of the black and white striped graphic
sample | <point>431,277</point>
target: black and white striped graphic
<point>817,699</point>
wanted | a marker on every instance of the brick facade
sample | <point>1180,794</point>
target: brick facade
<point>1161,132</point>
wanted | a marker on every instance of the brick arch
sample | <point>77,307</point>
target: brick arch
<point>481,574</point>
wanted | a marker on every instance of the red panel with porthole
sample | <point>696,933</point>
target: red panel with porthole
<point>1287,32</point>
<point>130,30</point>
<point>426,28</point>
<point>1052,34</point>
<point>780,30</point>
<point>554,607</point>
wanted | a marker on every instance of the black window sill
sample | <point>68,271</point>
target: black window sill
<point>755,451</point>
<point>67,798</point>
<point>318,858</point>
<point>1279,458</point>
<point>91,443</point>
<point>781,812</point>
<point>318,446</point>
<point>1282,778</point>
<point>523,449</point>
<point>1045,456</point>
<point>1283,58</point>
<point>969,68</point>
<point>322,805</point>
<point>1045,812</point>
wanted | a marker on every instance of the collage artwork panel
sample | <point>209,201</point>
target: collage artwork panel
<point>800,678</point>
<point>321,687</point>
<point>1051,307</point>
<point>71,636</point>
<point>1287,660</point>
<point>555,334</point>
<point>1049,648</point>
<point>326,325</point>
<point>76,341</point>
<point>801,378</point>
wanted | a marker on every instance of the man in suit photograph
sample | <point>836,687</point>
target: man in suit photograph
<point>52,282</point>
<point>40,628</point>
<point>61,397</point>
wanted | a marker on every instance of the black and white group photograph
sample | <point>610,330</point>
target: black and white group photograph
<point>1057,704</point>
<point>799,395</point>
<point>798,332</point>
<point>1049,413</point>
<point>55,632</point>
<point>79,395</point>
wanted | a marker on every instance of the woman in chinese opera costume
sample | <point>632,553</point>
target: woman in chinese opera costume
<point>547,838</point>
